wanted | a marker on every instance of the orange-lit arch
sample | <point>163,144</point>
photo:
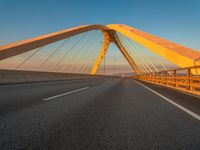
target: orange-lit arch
<point>177,54</point>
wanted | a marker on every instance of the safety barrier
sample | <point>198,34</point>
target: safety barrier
<point>184,79</point>
<point>21,76</point>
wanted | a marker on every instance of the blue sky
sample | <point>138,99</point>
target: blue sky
<point>176,20</point>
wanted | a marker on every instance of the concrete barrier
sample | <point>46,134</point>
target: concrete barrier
<point>19,76</point>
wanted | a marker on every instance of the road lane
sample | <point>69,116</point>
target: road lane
<point>186,100</point>
<point>67,93</point>
<point>19,96</point>
<point>172,102</point>
<point>114,114</point>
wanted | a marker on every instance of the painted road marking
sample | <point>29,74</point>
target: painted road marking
<point>172,102</point>
<point>63,94</point>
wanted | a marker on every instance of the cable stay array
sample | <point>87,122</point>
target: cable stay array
<point>146,60</point>
<point>78,54</point>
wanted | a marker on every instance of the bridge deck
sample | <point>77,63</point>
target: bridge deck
<point>96,114</point>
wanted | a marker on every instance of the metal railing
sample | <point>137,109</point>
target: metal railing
<point>184,79</point>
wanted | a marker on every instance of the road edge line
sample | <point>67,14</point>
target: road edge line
<point>172,102</point>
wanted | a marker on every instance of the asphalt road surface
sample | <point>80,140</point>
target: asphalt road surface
<point>97,114</point>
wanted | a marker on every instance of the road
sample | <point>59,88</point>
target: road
<point>96,114</point>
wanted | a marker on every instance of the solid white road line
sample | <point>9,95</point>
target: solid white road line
<point>67,93</point>
<point>172,102</point>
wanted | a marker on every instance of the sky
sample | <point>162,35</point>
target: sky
<point>175,20</point>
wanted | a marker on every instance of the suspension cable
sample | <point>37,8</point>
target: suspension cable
<point>138,59</point>
<point>144,64</point>
<point>87,57</point>
<point>162,64</point>
<point>139,64</point>
<point>77,52</point>
<point>26,59</point>
<point>55,50</point>
<point>138,56</point>
<point>146,56</point>
<point>139,53</point>
<point>95,52</point>
<point>68,51</point>
<point>83,55</point>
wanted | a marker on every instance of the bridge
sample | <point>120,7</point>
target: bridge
<point>57,91</point>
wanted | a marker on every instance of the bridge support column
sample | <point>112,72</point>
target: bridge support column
<point>102,53</point>
<point>111,36</point>
<point>117,41</point>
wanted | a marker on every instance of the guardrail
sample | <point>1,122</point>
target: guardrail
<point>184,79</point>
